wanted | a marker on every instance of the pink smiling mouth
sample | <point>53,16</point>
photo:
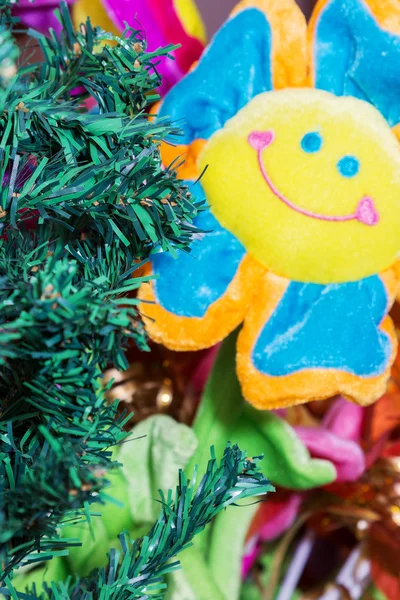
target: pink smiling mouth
<point>365,212</point>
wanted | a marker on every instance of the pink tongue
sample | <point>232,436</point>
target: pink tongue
<point>366,212</point>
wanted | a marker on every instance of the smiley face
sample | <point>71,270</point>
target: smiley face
<point>309,183</point>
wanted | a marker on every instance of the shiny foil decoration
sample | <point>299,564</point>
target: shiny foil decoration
<point>157,382</point>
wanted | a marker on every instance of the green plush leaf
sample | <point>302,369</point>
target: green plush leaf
<point>159,447</point>
<point>229,531</point>
<point>287,461</point>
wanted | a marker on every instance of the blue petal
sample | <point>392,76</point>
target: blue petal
<point>235,68</point>
<point>326,327</point>
<point>189,284</point>
<point>354,56</point>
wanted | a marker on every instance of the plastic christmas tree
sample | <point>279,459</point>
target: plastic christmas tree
<point>84,201</point>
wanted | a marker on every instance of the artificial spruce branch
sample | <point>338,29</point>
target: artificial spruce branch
<point>138,569</point>
<point>84,200</point>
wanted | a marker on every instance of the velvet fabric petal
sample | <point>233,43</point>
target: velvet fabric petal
<point>354,53</point>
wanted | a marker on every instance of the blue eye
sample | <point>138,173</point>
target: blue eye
<point>348,166</point>
<point>311,142</point>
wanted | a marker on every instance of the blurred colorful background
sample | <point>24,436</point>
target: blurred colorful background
<point>214,11</point>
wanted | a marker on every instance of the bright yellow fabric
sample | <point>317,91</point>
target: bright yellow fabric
<point>191,20</point>
<point>97,13</point>
<point>291,244</point>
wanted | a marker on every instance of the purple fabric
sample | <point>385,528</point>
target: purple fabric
<point>39,15</point>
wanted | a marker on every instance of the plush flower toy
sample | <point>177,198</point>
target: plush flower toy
<point>163,22</point>
<point>296,128</point>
